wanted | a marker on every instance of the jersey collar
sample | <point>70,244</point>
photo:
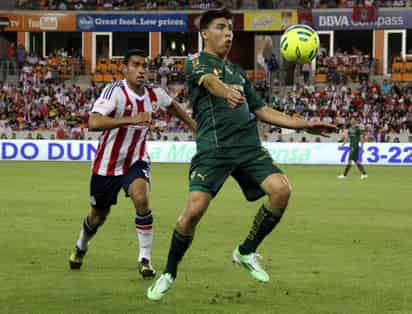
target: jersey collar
<point>131,92</point>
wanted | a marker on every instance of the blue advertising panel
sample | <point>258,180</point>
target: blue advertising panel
<point>132,22</point>
<point>388,154</point>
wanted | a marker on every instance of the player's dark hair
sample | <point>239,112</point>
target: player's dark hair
<point>131,53</point>
<point>207,17</point>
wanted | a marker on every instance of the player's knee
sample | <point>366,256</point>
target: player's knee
<point>285,190</point>
<point>279,195</point>
<point>97,217</point>
<point>280,189</point>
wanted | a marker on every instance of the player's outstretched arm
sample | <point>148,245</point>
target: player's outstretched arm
<point>282,120</point>
<point>177,111</point>
<point>99,122</point>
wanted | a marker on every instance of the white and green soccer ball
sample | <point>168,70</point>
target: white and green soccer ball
<point>299,44</point>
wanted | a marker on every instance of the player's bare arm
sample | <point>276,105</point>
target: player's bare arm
<point>98,122</point>
<point>362,140</point>
<point>177,111</point>
<point>280,119</point>
<point>217,88</point>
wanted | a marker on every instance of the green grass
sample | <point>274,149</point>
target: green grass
<point>342,246</point>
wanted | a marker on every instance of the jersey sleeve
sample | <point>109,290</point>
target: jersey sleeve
<point>254,101</point>
<point>106,103</point>
<point>196,69</point>
<point>163,98</point>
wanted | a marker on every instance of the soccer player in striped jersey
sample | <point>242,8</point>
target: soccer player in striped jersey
<point>123,112</point>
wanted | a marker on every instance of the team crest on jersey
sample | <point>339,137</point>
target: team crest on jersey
<point>228,70</point>
<point>217,72</point>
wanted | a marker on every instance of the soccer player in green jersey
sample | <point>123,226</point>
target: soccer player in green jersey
<point>226,109</point>
<point>354,135</point>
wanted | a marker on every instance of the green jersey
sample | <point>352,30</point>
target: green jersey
<point>354,134</point>
<point>218,124</point>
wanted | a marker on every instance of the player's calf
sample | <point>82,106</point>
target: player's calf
<point>90,226</point>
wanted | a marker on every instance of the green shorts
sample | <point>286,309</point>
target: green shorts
<point>354,153</point>
<point>248,166</point>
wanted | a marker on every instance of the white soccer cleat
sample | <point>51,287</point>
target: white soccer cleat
<point>251,264</point>
<point>342,176</point>
<point>160,287</point>
<point>363,176</point>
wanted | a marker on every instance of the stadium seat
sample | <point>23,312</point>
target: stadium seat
<point>407,72</point>
<point>397,70</point>
<point>108,77</point>
<point>259,75</point>
<point>102,65</point>
<point>97,77</point>
<point>321,78</point>
<point>250,75</point>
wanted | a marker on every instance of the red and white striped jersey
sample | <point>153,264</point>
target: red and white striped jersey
<point>120,148</point>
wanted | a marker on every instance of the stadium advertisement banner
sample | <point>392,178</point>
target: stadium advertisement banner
<point>269,20</point>
<point>51,22</point>
<point>397,154</point>
<point>342,20</point>
<point>132,22</point>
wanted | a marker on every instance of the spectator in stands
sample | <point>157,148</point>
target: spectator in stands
<point>306,73</point>
<point>386,87</point>
<point>20,56</point>
<point>164,72</point>
<point>11,56</point>
<point>279,139</point>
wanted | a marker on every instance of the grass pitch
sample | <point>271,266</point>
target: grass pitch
<point>344,246</point>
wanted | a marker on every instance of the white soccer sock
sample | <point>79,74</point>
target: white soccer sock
<point>83,242</point>
<point>86,234</point>
<point>144,231</point>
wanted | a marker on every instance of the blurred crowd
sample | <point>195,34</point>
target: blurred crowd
<point>201,4</point>
<point>122,4</point>
<point>42,103</point>
<point>381,108</point>
<point>59,65</point>
<point>324,4</point>
<point>344,67</point>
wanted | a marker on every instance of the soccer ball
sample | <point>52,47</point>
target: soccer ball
<point>299,44</point>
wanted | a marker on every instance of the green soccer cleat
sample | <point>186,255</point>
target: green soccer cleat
<point>251,263</point>
<point>158,290</point>
<point>76,258</point>
<point>146,269</point>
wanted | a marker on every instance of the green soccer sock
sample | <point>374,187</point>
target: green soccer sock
<point>345,173</point>
<point>178,246</point>
<point>263,224</point>
<point>361,169</point>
